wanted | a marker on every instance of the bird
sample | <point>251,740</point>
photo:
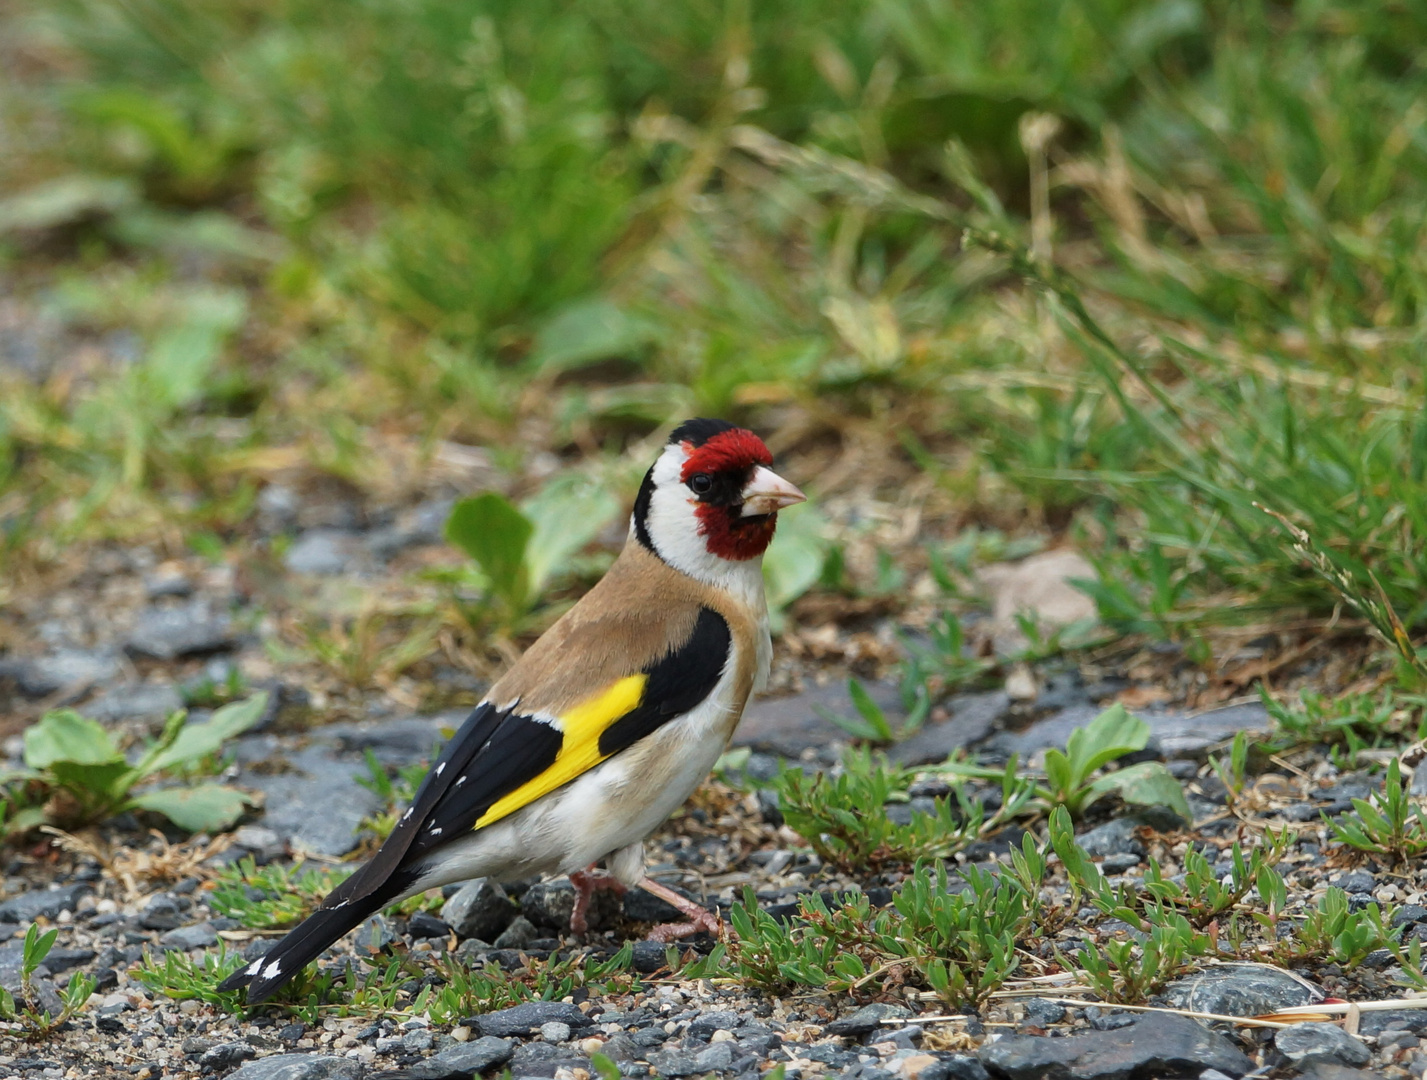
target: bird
<point>607,723</point>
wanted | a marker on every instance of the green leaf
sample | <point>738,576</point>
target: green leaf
<point>587,331</point>
<point>1112,734</point>
<point>494,533</point>
<point>93,784</point>
<point>64,735</point>
<point>196,741</point>
<point>794,563</point>
<point>182,356</point>
<point>1146,783</point>
<point>203,808</point>
<point>566,515</point>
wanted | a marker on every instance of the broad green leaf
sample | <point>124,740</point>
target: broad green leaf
<point>94,784</point>
<point>64,735</point>
<point>587,331</point>
<point>567,514</point>
<point>1147,783</point>
<point>795,561</point>
<point>203,808</point>
<point>1112,734</point>
<point>196,741</point>
<point>183,355</point>
<point>496,535</point>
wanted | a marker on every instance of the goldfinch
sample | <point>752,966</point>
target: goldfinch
<point>610,720</point>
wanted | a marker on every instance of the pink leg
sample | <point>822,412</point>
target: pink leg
<point>699,918</point>
<point>585,883</point>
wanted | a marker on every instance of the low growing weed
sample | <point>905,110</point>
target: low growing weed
<point>31,1022</point>
<point>1070,779</point>
<point>73,761</point>
<point>1389,824</point>
<point>272,896</point>
<point>960,944</point>
<point>842,815</point>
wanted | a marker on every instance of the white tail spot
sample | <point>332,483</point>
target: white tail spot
<point>440,768</point>
<point>273,970</point>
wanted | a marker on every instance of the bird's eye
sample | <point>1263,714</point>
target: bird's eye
<point>700,483</point>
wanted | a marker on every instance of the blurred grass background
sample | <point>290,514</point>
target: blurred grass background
<point>1117,270</point>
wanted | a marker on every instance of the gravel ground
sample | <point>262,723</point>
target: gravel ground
<point>128,634</point>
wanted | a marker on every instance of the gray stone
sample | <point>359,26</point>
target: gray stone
<point>1240,990</point>
<point>526,1019</point>
<point>479,909</point>
<point>263,843</point>
<point>325,552</point>
<point>1375,1023</point>
<point>468,1058</point>
<point>705,1024</point>
<point>225,1054</point>
<point>198,936</point>
<point>866,1020</point>
<point>166,633</point>
<point>47,903</point>
<point>1119,863</point>
<point>298,1067</point>
<point>417,1042</point>
<point>641,906</point>
<point>973,717</point>
<point>1178,735</point>
<point>299,804</point>
<point>134,701</point>
<point>66,669</point>
<point>549,904</point>
<point>1113,838</point>
<point>955,1067</point>
<point>555,1031</point>
<point>716,1058</point>
<point>1320,1043</point>
<point>162,912</point>
<point>543,1059</point>
<point>1157,1045</point>
<point>518,935</point>
<point>789,725</point>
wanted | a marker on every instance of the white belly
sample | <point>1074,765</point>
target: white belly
<point>617,803</point>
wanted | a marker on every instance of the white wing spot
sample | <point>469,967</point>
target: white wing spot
<point>407,814</point>
<point>435,830</point>
<point>273,970</point>
<point>255,967</point>
<point>440,768</point>
<point>460,780</point>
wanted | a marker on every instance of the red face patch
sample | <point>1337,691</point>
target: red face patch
<point>733,450</point>
<point>731,455</point>
<point>730,536</point>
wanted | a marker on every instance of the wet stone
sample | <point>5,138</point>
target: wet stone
<point>134,701</point>
<point>527,1018</point>
<point>46,903</point>
<point>225,1055</point>
<point>299,1067</point>
<point>166,633</point>
<point>1156,1045</point>
<point>518,935</point>
<point>63,670</point>
<point>426,925</point>
<point>198,936</point>
<point>1239,990</point>
<point>649,956</point>
<point>463,1060</point>
<point>705,1024</point>
<point>1043,1013</point>
<point>479,909</point>
<point>641,906</point>
<point>1320,1043</point>
<point>866,1020</point>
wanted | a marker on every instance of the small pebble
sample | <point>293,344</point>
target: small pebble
<point>555,1032</point>
<point>721,1036</point>
<point>591,1045</point>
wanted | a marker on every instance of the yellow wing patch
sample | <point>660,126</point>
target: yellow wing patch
<point>582,726</point>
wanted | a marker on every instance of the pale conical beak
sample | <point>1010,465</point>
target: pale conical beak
<point>767,493</point>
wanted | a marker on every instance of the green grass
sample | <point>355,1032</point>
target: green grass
<point>409,218</point>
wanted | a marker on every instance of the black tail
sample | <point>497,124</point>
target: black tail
<point>303,944</point>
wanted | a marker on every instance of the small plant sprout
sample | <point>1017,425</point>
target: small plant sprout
<point>30,1021</point>
<point>1070,779</point>
<point>89,779</point>
<point>1233,774</point>
<point>1389,824</point>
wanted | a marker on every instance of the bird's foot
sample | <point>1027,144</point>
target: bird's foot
<point>699,918</point>
<point>586,882</point>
